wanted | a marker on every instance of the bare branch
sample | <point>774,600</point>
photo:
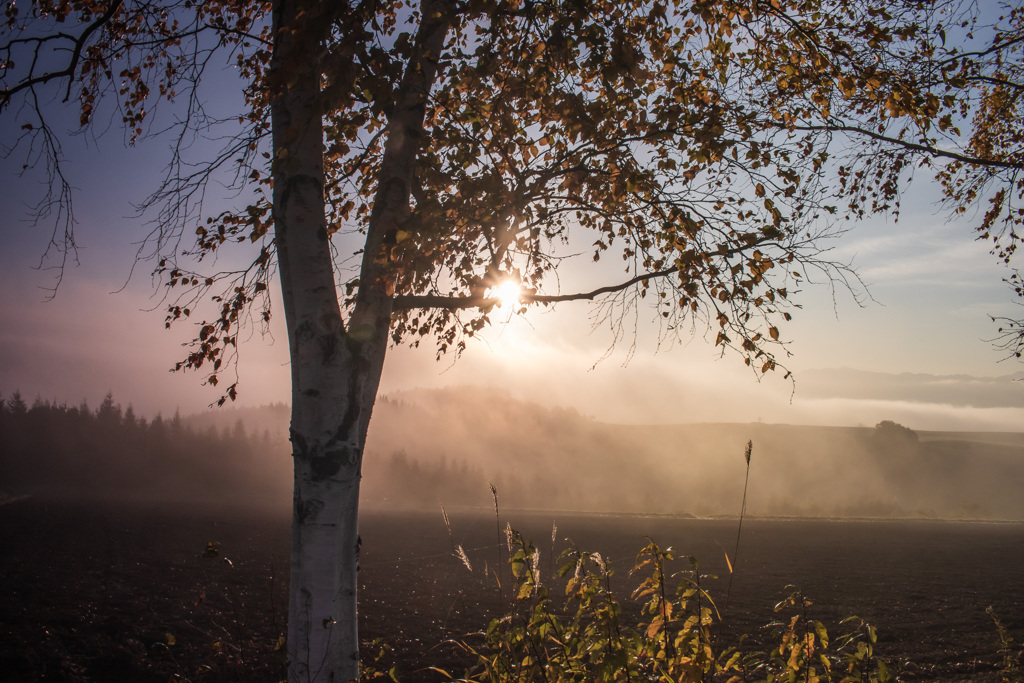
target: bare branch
<point>914,146</point>
<point>67,72</point>
<point>410,301</point>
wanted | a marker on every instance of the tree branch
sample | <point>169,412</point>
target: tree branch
<point>409,301</point>
<point>917,147</point>
<point>69,71</point>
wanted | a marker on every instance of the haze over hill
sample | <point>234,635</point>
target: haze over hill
<point>447,445</point>
<point>1006,391</point>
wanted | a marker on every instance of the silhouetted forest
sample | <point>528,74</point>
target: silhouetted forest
<point>109,452</point>
<point>235,456</point>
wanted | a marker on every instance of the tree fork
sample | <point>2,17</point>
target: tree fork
<point>336,367</point>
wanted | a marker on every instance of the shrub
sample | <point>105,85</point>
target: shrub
<point>675,640</point>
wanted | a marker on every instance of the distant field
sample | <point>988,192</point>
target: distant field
<point>1015,439</point>
<point>118,593</point>
<point>451,446</point>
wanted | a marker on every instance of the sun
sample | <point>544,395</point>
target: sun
<point>508,293</point>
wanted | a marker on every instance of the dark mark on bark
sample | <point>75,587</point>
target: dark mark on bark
<point>306,510</point>
<point>354,408</point>
<point>328,464</point>
<point>328,347</point>
<point>299,446</point>
<point>290,187</point>
<point>304,332</point>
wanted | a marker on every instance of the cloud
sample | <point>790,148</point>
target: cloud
<point>927,416</point>
<point>1006,391</point>
<point>691,384</point>
<point>921,255</point>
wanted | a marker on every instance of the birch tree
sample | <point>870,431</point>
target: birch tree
<point>473,145</point>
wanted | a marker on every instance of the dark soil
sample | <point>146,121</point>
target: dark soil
<point>116,593</point>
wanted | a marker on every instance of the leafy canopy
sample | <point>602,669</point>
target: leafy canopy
<point>698,151</point>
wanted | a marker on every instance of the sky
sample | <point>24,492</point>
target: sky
<point>914,351</point>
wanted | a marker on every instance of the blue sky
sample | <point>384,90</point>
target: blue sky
<point>933,288</point>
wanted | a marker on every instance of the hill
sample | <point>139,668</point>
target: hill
<point>558,459</point>
<point>447,446</point>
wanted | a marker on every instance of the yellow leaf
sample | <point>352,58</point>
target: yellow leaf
<point>654,628</point>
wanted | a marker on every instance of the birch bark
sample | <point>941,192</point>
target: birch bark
<point>336,367</point>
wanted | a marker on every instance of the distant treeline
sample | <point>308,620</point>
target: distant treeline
<point>448,446</point>
<point>54,449</point>
<point>57,449</point>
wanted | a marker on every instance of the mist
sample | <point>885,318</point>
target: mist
<point>435,447</point>
<point>558,459</point>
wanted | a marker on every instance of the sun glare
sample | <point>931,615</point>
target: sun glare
<point>508,293</point>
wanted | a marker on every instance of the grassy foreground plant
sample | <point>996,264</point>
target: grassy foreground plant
<point>587,639</point>
<point>1010,666</point>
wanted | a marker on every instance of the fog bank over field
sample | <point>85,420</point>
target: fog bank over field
<point>556,458</point>
<point>446,446</point>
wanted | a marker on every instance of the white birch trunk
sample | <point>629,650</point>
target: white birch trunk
<point>322,642</point>
<point>335,367</point>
